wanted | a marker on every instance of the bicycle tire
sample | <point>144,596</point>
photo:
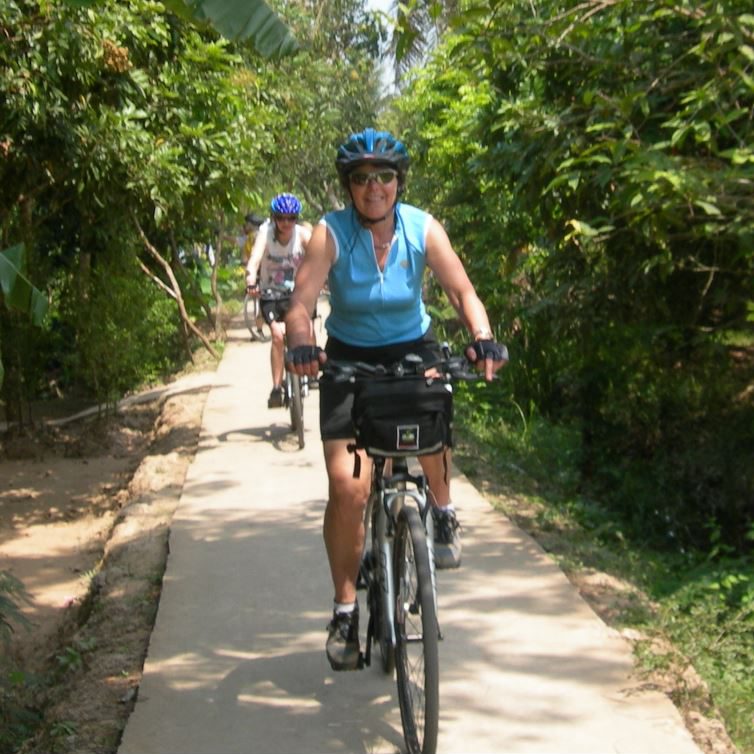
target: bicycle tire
<point>379,604</point>
<point>416,651</point>
<point>257,327</point>
<point>297,408</point>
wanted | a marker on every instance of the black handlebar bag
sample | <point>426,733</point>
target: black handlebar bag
<point>403,416</point>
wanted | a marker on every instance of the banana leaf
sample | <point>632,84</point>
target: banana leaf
<point>16,292</point>
<point>237,20</point>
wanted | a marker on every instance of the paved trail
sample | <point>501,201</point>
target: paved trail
<point>237,663</point>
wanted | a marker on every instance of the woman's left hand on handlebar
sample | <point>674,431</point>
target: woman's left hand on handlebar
<point>487,356</point>
<point>305,360</point>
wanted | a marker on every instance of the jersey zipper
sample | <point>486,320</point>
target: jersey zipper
<point>380,272</point>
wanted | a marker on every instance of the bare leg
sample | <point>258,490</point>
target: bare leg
<point>277,353</point>
<point>344,517</point>
<point>446,536</point>
<point>437,472</point>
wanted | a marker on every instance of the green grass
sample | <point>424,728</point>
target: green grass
<point>701,604</point>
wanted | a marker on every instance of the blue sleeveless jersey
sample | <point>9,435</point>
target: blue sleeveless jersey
<point>373,307</point>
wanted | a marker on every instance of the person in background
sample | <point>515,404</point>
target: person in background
<point>275,256</point>
<point>374,254</point>
<point>251,225</point>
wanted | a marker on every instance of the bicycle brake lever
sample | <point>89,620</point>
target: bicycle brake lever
<point>344,374</point>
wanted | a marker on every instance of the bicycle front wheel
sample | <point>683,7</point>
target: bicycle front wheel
<point>297,408</point>
<point>381,592</point>
<point>416,652</point>
<point>252,317</point>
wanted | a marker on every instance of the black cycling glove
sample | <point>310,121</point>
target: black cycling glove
<point>489,349</point>
<point>303,355</point>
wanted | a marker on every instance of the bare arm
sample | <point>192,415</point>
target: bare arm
<point>451,274</point>
<point>255,258</point>
<point>310,279</point>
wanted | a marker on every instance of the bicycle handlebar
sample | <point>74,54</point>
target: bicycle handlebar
<point>448,368</point>
<point>277,292</point>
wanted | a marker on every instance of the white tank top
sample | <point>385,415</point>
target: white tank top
<point>280,261</point>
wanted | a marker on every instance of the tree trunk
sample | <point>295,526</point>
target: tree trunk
<point>160,284</point>
<point>180,271</point>
<point>176,289</point>
<point>219,329</point>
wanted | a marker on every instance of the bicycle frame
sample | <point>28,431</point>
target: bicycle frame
<point>390,492</point>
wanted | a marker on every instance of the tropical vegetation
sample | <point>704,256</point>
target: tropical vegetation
<point>593,162</point>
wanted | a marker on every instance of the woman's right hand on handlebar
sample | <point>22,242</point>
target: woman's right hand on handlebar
<point>305,360</point>
<point>487,356</point>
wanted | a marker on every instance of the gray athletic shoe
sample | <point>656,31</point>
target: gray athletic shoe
<point>342,646</point>
<point>447,539</point>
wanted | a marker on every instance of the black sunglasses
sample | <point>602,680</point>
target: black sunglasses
<point>382,177</point>
<point>291,218</point>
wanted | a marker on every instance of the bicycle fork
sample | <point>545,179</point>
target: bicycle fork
<point>385,538</point>
<point>382,511</point>
<point>418,493</point>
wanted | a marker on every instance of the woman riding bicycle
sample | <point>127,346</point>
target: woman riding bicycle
<point>373,254</point>
<point>277,252</point>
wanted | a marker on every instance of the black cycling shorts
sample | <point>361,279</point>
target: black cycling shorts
<point>336,398</point>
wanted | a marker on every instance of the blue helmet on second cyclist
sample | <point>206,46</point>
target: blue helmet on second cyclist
<point>285,204</point>
<point>371,147</point>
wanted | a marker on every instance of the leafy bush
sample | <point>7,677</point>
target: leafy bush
<point>11,592</point>
<point>128,336</point>
<point>122,332</point>
<point>595,184</point>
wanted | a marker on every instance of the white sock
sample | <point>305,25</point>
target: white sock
<point>450,508</point>
<point>344,607</point>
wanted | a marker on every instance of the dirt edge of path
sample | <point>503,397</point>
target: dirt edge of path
<point>92,678</point>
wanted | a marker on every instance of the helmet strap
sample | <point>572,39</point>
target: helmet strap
<point>364,220</point>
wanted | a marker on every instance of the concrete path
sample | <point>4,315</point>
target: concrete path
<point>237,663</point>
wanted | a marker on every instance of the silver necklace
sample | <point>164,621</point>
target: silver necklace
<point>386,245</point>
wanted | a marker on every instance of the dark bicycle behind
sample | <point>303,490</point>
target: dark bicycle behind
<point>274,302</point>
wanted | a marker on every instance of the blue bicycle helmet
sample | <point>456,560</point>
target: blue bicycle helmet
<point>375,148</point>
<point>285,204</point>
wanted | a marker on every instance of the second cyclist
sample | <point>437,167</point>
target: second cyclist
<point>278,250</point>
